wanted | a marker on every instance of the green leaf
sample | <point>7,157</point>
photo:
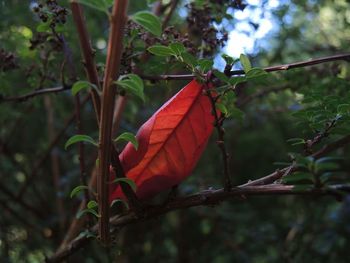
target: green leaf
<point>245,63</point>
<point>222,108</point>
<point>161,51</point>
<point>236,80</point>
<point>92,204</point>
<point>221,76</point>
<point>237,113</point>
<point>88,210</point>
<point>87,234</point>
<point>79,138</point>
<point>189,59</point>
<point>43,27</point>
<point>125,180</point>
<point>100,5</point>
<point>256,73</point>
<point>177,48</point>
<point>132,84</point>
<point>205,64</point>
<point>81,84</point>
<point>297,178</point>
<point>77,190</point>
<point>343,109</point>
<point>296,141</point>
<point>228,59</point>
<point>129,137</point>
<point>149,22</point>
<point>115,201</point>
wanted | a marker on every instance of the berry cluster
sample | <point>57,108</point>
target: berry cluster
<point>200,22</point>
<point>7,61</point>
<point>50,11</point>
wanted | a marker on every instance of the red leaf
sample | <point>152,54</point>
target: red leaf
<point>170,143</point>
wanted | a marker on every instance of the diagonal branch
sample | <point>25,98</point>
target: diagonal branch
<point>204,198</point>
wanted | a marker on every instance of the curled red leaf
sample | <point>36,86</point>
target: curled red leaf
<point>170,143</point>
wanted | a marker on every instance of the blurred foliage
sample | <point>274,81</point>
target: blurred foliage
<point>305,103</point>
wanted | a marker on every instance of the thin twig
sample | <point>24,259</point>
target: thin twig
<point>283,67</point>
<point>88,54</point>
<point>279,173</point>
<point>134,202</point>
<point>35,93</point>
<point>173,5</point>
<point>301,64</point>
<point>20,201</point>
<point>46,154</point>
<point>221,143</point>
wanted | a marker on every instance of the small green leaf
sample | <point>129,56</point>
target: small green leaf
<point>343,109</point>
<point>222,108</point>
<point>236,80</point>
<point>125,180</point>
<point>177,48</point>
<point>129,137</point>
<point>92,204</point>
<point>254,73</point>
<point>88,210</point>
<point>77,190</point>
<point>43,27</point>
<point>298,177</point>
<point>161,51</point>
<point>228,59</point>
<point>81,84</point>
<point>79,138</point>
<point>189,59</point>
<point>87,234</point>
<point>115,201</point>
<point>100,5</point>
<point>245,63</point>
<point>149,22</point>
<point>133,84</point>
<point>205,64</point>
<point>296,141</point>
<point>221,76</point>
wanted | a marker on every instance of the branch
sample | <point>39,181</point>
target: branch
<point>204,198</point>
<point>134,202</point>
<point>88,54</point>
<point>46,154</point>
<point>114,52</point>
<point>173,5</point>
<point>345,57</point>
<point>280,173</point>
<point>34,94</point>
<point>283,67</point>
<point>221,143</point>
